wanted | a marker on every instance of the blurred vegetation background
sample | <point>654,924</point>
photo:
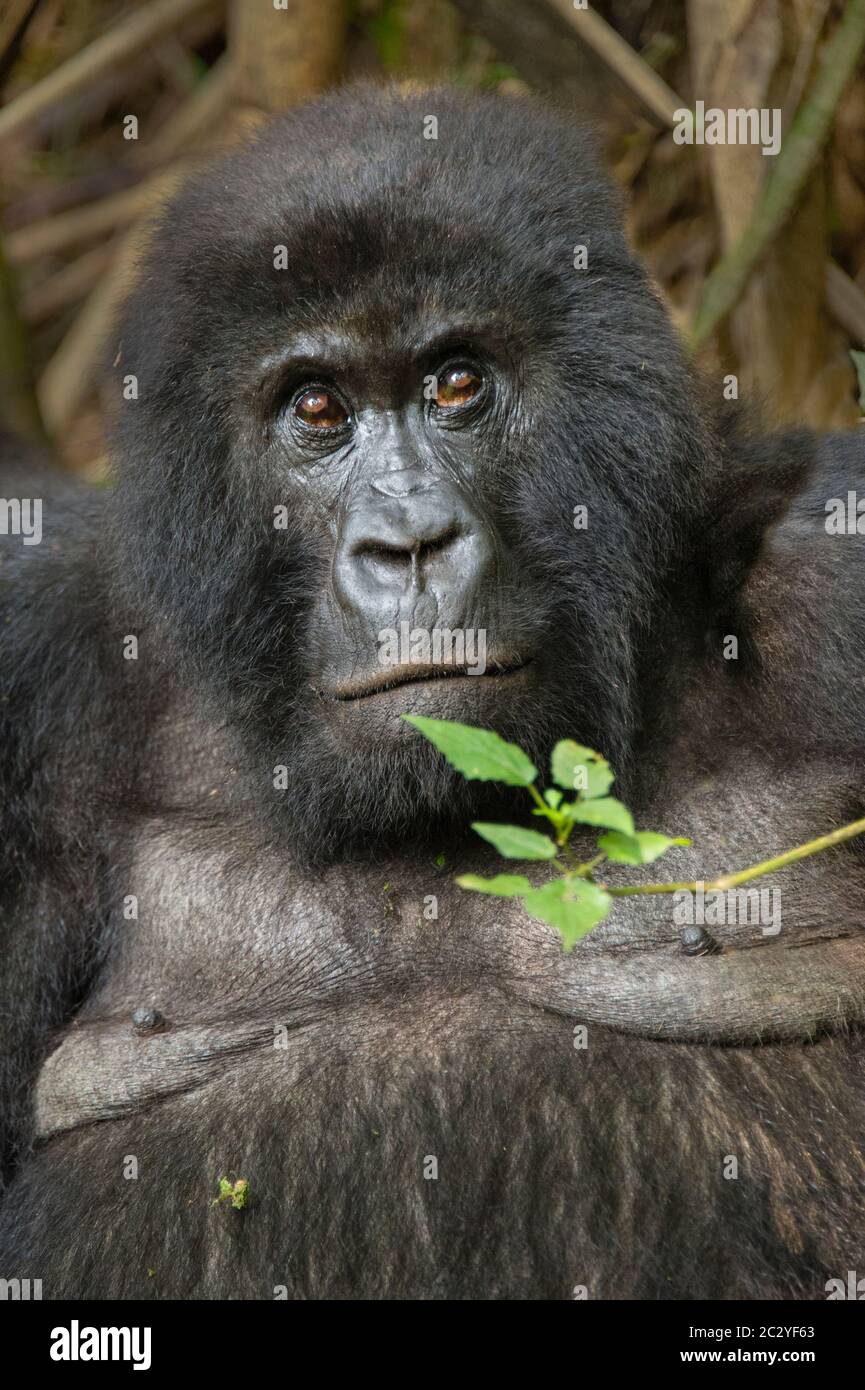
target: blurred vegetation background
<point>105,105</point>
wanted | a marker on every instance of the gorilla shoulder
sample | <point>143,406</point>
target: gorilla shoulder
<point>805,599</point>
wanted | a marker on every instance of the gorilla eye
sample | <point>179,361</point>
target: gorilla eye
<point>320,408</point>
<point>457,386</point>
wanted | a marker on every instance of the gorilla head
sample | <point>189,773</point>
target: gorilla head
<point>376,377</point>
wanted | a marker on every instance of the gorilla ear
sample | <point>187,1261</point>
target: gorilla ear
<point>757,479</point>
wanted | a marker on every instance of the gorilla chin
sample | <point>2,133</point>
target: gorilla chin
<point>386,786</point>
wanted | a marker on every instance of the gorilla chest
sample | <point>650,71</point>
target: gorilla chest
<point>214,923</point>
<point>241,962</point>
<point>244,956</point>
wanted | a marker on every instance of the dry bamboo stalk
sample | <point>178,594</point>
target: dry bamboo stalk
<point>118,45</point>
<point>73,368</point>
<point>650,89</point>
<point>68,286</point>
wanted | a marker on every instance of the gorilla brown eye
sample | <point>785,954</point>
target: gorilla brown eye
<point>320,408</point>
<point>457,386</point>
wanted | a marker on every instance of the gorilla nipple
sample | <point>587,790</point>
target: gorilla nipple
<point>146,1021</point>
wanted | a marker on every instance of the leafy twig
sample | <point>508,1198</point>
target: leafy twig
<point>768,866</point>
<point>575,902</point>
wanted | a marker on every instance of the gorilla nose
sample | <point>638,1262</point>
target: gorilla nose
<point>399,545</point>
<point>412,539</point>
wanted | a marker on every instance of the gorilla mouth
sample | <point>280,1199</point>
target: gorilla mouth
<point>416,673</point>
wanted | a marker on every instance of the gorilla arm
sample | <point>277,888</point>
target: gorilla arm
<point>56,699</point>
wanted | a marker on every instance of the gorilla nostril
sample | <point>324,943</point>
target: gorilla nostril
<point>441,542</point>
<point>401,553</point>
<point>396,557</point>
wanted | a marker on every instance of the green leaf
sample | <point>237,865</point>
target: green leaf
<point>859,364</point>
<point>479,754</point>
<point>643,847</point>
<point>552,798</point>
<point>571,905</point>
<point>605,810</point>
<point>593,779</point>
<point>567,757</point>
<point>501,886</point>
<point>516,843</point>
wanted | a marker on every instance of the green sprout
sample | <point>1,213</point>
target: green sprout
<point>236,1193</point>
<point>574,901</point>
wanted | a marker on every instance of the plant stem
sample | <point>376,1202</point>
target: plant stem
<point>585,870</point>
<point>835,837</point>
<point>562,830</point>
<point>572,865</point>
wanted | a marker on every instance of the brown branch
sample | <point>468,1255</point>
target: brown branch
<point>18,406</point>
<point>70,374</point>
<point>280,57</point>
<point>54,235</point>
<point>13,28</point>
<point>196,117</point>
<point>845,302</point>
<point>70,285</point>
<point>784,186</point>
<point>618,55</point>
<point>119,45</point>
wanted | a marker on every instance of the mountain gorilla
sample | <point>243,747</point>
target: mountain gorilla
<point>365,381</point>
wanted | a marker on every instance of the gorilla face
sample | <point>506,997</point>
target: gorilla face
<point>379,384</point>
<point>386,447</point>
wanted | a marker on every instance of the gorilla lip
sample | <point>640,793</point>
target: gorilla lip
<point>414,673</point>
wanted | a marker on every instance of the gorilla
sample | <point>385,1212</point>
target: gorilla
<point>366,383</point>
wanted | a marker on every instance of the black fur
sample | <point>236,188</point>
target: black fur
<point>393,225</point>
<point>302,910</point>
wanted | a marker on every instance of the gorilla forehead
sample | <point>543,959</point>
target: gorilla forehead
<point>363,202</point>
